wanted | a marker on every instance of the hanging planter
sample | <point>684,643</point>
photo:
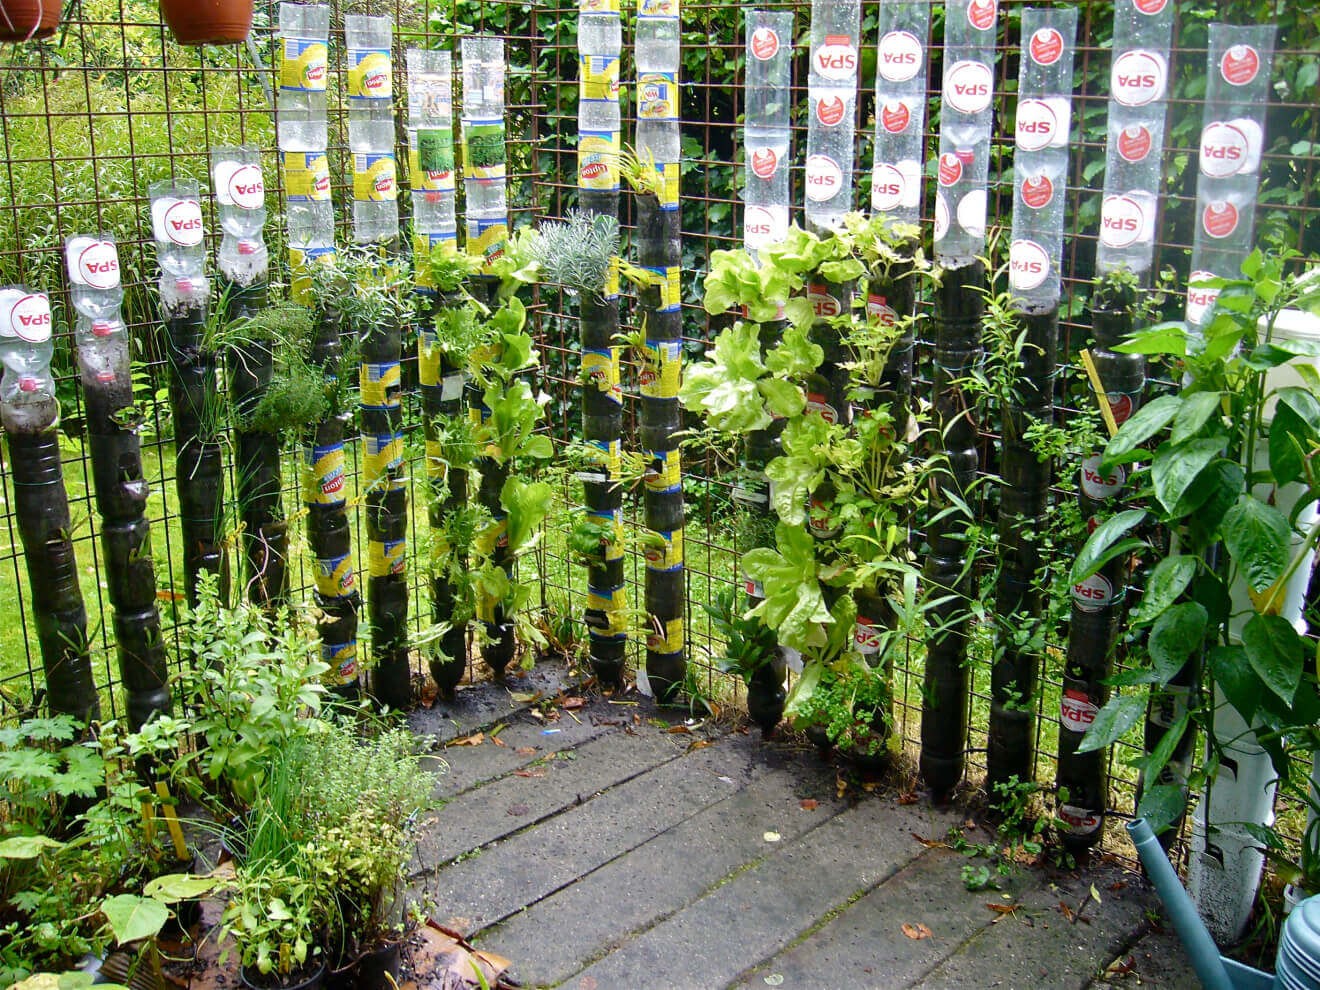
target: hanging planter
<point>203,22</point>
<point>28,20</point>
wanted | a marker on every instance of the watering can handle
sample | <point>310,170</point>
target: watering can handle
<point>1201,948</point>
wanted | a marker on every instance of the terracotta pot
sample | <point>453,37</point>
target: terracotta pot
<point>208,22</point>
<point>23,20</point>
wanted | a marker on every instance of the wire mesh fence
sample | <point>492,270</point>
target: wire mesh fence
<point>90,117</point>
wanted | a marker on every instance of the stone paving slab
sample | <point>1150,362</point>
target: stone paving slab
<point>765,909</point>
<point>530,865</point>
<point>558,936</point>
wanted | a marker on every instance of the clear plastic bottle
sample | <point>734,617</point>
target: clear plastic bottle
<point>304,70</point>
<point>600,40</point>
<point>371,128</point>
<point>27,391</point>
<point>431,146</point>
<point>240,192</point>
<point>176,221</point>
<point>309,211</point>
<point>93,266</point>
<point>657,45</point>
<point>484,175</point>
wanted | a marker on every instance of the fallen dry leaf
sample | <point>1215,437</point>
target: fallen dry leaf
<point>928,843</point>
<point>476,739</point>
<point>526,750</point>
<point>573,702</point>
<point>916,932</point>
<point>1003,908</point>
<point>1065,910</point>
<point>808,804</point>
<point>529,773</point>
<point>498,741</point>
<point>908,798</point>
<point>679,730</point>
<point>698,744</point>
<point>1121,966</point>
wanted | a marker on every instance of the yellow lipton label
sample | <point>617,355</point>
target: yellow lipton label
<point>612,280</point>
<point>380,384</point>
<point>428,180</point>
<point>657,96</point>
<point>487,239</point>
<point>374,177</point>
<point>668,641</point>
<point>386,557</point>
<point>334,577</point>
<point>598,160</point>
<point>484,151</point>
<point>381,455</point>
<point>662,368</point>
<point>601,369</point>
<point>428,359</point>
<point>598,6</point>
<point>323,475</point>
<point>668,282</point>
<point>669,185</point>
<point>664,471</point>
<point>609,455</point>
<point>341,658</point>
<point>657,8</point>
<point>607,611</point>
<point>370,74</point>
<point>598,77</point>
<point>664,550</point>
<point>300,262</point>
<point>306,176</point>
<point>304,65</point>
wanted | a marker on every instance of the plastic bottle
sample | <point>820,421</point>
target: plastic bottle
<point>176,221</point>
<point>431,146</point>
<point>240,192</point>
<point>27,391</point>
<point>304,70</point>
<point>93,266</point>
<point>371,128</point>
<point>484,176</point>
<point>600,40</point>
<point>310,211</point>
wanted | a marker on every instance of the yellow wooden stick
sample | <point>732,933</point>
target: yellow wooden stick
<point>148,824</point>
<point>172,821</point>
<point>1100,395</point>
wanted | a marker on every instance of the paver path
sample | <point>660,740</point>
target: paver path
<point>613,846</point>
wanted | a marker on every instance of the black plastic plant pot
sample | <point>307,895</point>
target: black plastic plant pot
<point>310,977</point>
<point>499,650</point>
<point>103,399</point>
<point>142,665</point>
<point>130,571</point>
<point>121,490</point>
<point>387,607</point>
<point>664,511</point>
<point>378,967</point>
<point>62,638</point>
<point>765,695</point>
<point>608,659</point>
<point>329,532</point>
<point>599,321</point>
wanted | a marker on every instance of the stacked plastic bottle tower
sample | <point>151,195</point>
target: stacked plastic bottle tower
<point>484,185</point>
<point>896,181</point>
<point>240,194</point>
<point>900,117</point>
<point>30,414</point>
<point>1225,864</point>
<point>832,105</point>
<point>1040,169</point>
<point>384,473</point>
<point>302,132</point>
<point>432,172</point>
<point>1136,119</point>
<point>185,295</point>
<point>960,209</point>
<point>767,156</point>
<point>600,40</point>
<point>121,491</point>
<point>659,252</point>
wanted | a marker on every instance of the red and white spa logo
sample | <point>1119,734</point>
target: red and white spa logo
<point>899,56</point>
<point>183,222</point>
<point>1239,65</point>
<point>1223,150</point>
<point>1219,220</point>
<point>98,265</point>
<point>1200,298</point>
<point>895,117</point>
<point>764,162</point>
<point>764,44</point>
<point>1122,221</point>
<point>830,111</point>
<point>968,86</point>
<point>981,14</point>
<point>887,187</point>
<point>1046,46</point>
<point>30,318</point>
<point>247,188</point>
<point>824,178</point>
<point>837,58</point>
<point>1134,143</point>
<point>1150,7</point>
<point>951,169</point>
<point>1037,191</point>
<point>1037,125</point>
<point>1028,265</point>
<point>1137,78</point>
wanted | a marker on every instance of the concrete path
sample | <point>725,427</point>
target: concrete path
<point>612,846</point>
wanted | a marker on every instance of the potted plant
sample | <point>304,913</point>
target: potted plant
<point>850,703</point>
<point>752,652</point>
<point>208,22</point>
<point>26,20</point>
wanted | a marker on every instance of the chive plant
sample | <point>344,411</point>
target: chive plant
<point>439,277</point>
<point>30,414</point>
<point>960,212</point>
<point>185,295</point>
<point>1044,110</point>
<point>659,253</point>
<point>590,267</point>
<point>243,261</point>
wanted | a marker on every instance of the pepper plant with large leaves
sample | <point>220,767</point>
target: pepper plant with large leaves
<point>1229,465</point>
